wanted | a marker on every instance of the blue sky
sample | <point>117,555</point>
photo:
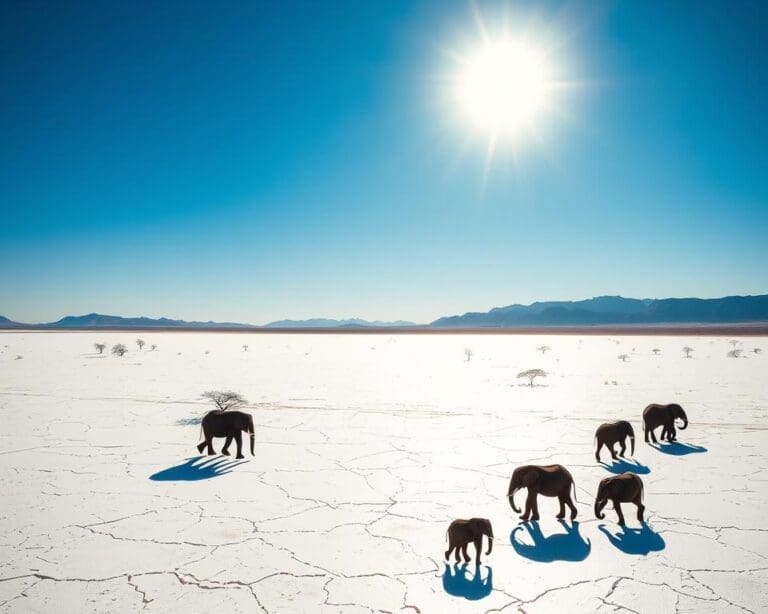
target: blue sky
<point>254,161</point>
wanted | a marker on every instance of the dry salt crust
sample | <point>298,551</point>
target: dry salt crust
<point>366,448</point>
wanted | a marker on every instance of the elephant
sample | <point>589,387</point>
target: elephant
<point>624,488</point>
<point>610,433</point>
<point>461,532</point>
<point>227,424</point>
<point>548,480</point>
<point>656,415</point>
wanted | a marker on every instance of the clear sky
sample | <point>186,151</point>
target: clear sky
<point>255,161</point>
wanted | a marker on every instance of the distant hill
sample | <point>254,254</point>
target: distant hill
<point>97,320</point>
<point>329,323</point>
<point>612,310</point>
<point>6,323</point>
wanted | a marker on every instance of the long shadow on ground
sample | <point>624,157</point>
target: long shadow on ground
<point>568,546</point>
<point>678,449</point>
<point>635,541</point>
<point>623,465</point>
<point>456,582</point>
<point>196,468</point>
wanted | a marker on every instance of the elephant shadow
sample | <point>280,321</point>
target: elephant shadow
<point>568,546</point>
<point>635,541</point>
<point>676,448</point>
<point>623,465</point>
<point>196,468</point>
<point>456,582</point>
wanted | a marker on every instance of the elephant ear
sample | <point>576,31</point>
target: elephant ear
<point>530,478</point>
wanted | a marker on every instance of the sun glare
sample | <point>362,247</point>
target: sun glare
<point>503,87</point>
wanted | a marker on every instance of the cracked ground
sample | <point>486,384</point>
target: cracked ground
<point>367,446</point>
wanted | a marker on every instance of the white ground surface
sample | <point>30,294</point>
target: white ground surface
<point>366,448</point>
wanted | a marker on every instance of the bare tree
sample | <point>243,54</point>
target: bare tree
<point>531,374</point>
<point>224,399</point>
<point>245,348</point>
<point>734,353</point>
<point>100,347</point>
<point>119,350</point>
<point>468,353</point>
<point>623,357</point>
<point>687,351</point>
<point>153,347</point>
<point>656,351</point>
<point>543,349</point>
<point>140,343</point>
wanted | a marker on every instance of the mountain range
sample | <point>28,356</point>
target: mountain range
<point>598,311</point>
<point>613,310</point>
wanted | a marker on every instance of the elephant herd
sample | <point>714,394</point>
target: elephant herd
<point>545,480</point>
<point>556,481</point>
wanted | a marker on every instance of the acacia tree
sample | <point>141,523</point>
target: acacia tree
<point>734,342</point>
<point>119,350</point>
<point>531,374</point>
<point>100,347</point>
<point>623,357</point>
<point>245,348</point>
<point>687,351</point>
<point>656,351</point>
<point>468,353</point>
<point>140,343</point>
<point>543,349</point>
<point>224,399</point>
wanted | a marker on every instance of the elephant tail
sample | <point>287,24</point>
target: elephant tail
<point>573,483</point>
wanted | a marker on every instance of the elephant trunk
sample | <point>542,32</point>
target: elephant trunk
<point>599,505</point>
<point>490,544</point>
<point>684,425</point>
<point>511,494</point>
<point>632,444</point>
<point>252,434</point>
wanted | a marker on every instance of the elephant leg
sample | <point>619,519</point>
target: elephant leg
<point>535,507</point>
<point>465,554</point>
<point>613,451</point>
<point>209,441</point>
<point>640,507</point>
<point>561,513</point>
<point>645,432</point>
<point>225,449</point>
<point>528,506</point>
<point>451,548</point>
<point>239,442</point>
<point>569,501</point>
<point>597,452</point>
<point>653,437</point>
<point>671,432</point>
<point>478,548</point>
<point>623,450</point>
<point>201,446</point>
<point>617,507</point>
<point>458,553</point>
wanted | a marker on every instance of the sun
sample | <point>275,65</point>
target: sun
<point>503,88</point>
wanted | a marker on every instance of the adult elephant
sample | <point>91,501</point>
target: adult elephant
<point>547,480</point>
<point>229,424</point>
<point>611,433</point>
<point>664,416</point>
<point>618,489</point>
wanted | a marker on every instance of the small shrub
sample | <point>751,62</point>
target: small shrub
<point>140,343</point>
<point>119,350</point>
<point>224,399</point>
<point>100,347</point>
<point>623,357</point>
<point>687,350</point>
<point>468,353</point>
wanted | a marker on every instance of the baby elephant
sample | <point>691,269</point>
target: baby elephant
<point>548,480</point>
<point>611,433</point>
<point>624,488</point>
<point>462,532</point>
